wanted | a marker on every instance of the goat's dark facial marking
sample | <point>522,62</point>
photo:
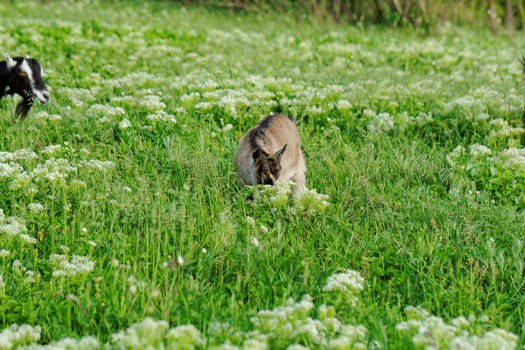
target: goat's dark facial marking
<point>267,166</point>
<point>23,76</point>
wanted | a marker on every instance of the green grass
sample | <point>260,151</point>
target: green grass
<point>379,111</point>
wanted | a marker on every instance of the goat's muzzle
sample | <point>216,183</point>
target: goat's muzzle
<point>42,95</point>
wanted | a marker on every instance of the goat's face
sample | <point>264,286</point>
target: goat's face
<point>25,78</point>
<point>267,166</point>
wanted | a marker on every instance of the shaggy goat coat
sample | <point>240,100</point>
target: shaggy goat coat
<point>270,153</point>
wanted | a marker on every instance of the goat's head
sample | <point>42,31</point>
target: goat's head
<point>25,79</point>
<point>267,165</point>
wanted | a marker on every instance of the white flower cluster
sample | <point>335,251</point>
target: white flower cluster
<point>290,324</point>
<point>51,149</point>
<point>479,151</point>
<point>53,170</point>
<point>107,111</point>
<point>380,123</point>
<point>12,225</point>
<point>84,343</point>
<point>431,332</point>
<point>135,80</point>
<point>124,124</point>
<point>307,202</point>
<point>96,164</point>
<point>310,201</point>
<point>25,177</point>
<point>76,265</point>
<point>77,96</point>
<point>479,165</point>
<point>19,154</point>
<point>152,103</point>
<point>16,336</point>
<point>161,116</point>
<point>512,159</point>
<point>351,337</point>
<point>29,275</point>
<point>15,227</point>
<point>350,283</point>
<point>43,115</point>
<point>154,334</point>
<point>502,134</point>
<point>147,334</point>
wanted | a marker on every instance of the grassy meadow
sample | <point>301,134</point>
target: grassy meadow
<point>122,225</point>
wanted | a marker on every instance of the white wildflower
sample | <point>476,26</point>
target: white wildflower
<point>344,105</point>
<point>84,343</point>
<point>478,151</point>
<point>349,282</point>
<point>147,334</point>
<point>13,226</point>
<point>17,267</point>
<point>27,238</point>
<point>161,116</point>
<point>180,260</point>
<point>297,347</point>
<point>416,313</point>
<point>379,123</point>
<point>352,337</point>
<point>310,201</point>
<point>250,220</point>
<point>53,170</point>
<point>31,277</point>
<point>107,111</point>
<point>23,154</point>
<point>152,103</point>
<point>432,332</point>
<point>10,170</point>
<point>16,336</point>
<point>254,344</point>
<point>189,100</point>
<point>51,149</point>
<point>54,117</point>
<point>453,156</point>
<point>76,265</point>
<point>184,337</point>
<point>36,208</point>
<point>98,164</point>
<point>124,124</point>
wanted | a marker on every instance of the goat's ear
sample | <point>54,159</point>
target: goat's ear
<point>11,63</point>
<point>280,152</point>
<point>259,153</point>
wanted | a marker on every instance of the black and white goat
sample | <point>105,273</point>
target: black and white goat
<point>23,76</point>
